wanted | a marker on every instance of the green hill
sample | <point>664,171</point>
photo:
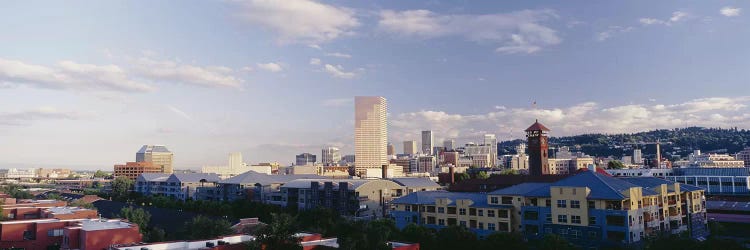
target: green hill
<point>674,142</point>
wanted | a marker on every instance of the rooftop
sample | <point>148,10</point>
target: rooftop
<point>416,182</point>
<point>92,225</point>
<point>521,189</point>
<point>429,197</point>
<point>252,177</point>
<point>537,127</point>
<point>65,210</point>
<point>153,148</point>
<point>653,182</point>
<point>602,187</point>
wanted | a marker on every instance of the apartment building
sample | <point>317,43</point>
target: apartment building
<point>589,209</point>
<point>178,186</point>
<point>439,209</point>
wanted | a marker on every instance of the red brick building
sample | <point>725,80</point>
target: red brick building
<point>100,234</point>
<point>132,170</point>
<point>67,233</point>
<point>28,209</point>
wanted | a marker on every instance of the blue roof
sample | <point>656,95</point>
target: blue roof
<point>194,177</point>
<point>429,197</point>
<point>252,177</point>
<point>153,148</point>
<point>602,187</point>
<point>521,189</point>
<point>653,182</point>
<point>415,182</point>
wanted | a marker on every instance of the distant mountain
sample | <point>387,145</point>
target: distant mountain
<point>675,143</point>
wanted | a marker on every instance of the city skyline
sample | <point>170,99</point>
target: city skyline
<point>209,78</point>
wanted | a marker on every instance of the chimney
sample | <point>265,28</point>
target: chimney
<point>385,172</point>
<point>452,173</point>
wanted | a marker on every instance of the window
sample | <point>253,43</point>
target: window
<point>548,203</point>
<point>575,204</point>
<point>575,219</point>
<point>614,220</point>
<point>490,213</point>
<point>562,203</point>
<point>462,211</point>
<point>473,211</point>
<point>503,227</point>
<point>562,218</point>
<point>493,199</point>
<point>480,212</point>
<point>592,204</point>
<point>430,220</point>
<point>451,210</point>
<point>507,200</point>
<point>592,220</point>
<point>441,210</point>
<point>502,213</point>
<point>575,234</point>
<point>441,222</point>
<point>491,226</point>
<point>463,223</point>
<point>530,215</point>
<point>549,218</point>
<point>55,232</point>
<point>408,208</point>
<point>481,225</point>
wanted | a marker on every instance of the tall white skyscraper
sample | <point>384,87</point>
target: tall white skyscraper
<point>410,147</point>
<point>637,157</point>
<point>449,144</point>
<point>330,156</point>
<point>427,142</point>
<point>370,133</point>
<point>490,139</point>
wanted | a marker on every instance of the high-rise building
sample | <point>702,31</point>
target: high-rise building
<point>158,155</point>
<point>391,149</point>
<point>370,133</point>
<point>490,139</point>
<point>330,156</point>
<point>637,157</point>
<point>744,156</point>
<point>449,144</point>
<point>305,159</point>
<point>536,135</point>
<point>410,147</point>
<point>427,142</point>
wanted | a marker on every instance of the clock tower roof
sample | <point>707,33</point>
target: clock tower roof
<point>537,127</point>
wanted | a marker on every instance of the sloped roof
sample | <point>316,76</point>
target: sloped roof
<point>153,176</point>
<point>416,182</point>
<point>153,148</point>
<point>194,177</point>
<point>305,183</point>
<point>653,182</point>
<point>602,187</point>
<point>429,197</point>
<point>252,177</point>
<point>521,189</point>
<point>537,127</point>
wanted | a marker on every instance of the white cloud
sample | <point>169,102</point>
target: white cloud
<point>70,75</point>
<point>314,46</point>
<point>612,31</point>
<point>300,21</point>
<point>271,67</point>
<point>581,118</point>
<point>42,113</point>
<point>338,71</point>
<point>175,71</point>
<point>514,32</point>
<point>677,16</point>
<point>179,112</point>
<point>730,11</point>
<point>339,55</point>
<point>338,102</point>
<point>314,61</point>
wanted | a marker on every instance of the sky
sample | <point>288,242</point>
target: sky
<point>83,84</point>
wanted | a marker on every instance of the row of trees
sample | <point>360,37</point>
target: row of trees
<point>16,191</point>
<point>200,227</point>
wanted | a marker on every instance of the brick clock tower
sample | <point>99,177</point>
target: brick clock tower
<point>538,147</point>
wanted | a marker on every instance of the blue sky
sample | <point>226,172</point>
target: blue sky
<point>85,83</point>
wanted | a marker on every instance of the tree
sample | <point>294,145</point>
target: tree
<point>504,241</point>
<point>615,165</point>
<point>462,176</point>
<point>419,234</point>
<point>509,171</point>
<point>202,227</point>
<point>155,234</point>
<point>457,237</point>
<point>121,187</point>
<point>81,203</point>
<point>16,191</point>
<point>279,234</point>
<point>100,174</point>
<point>482,175</point>
<point>554,242</point>
<point>138,216</point>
